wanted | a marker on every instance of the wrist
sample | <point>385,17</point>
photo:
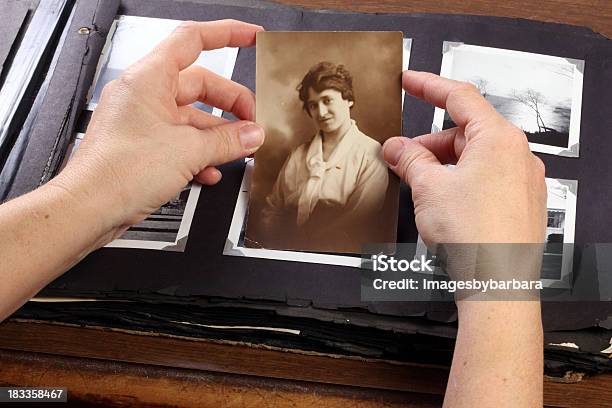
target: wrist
<point>92,214</point>
<point>501,315</point>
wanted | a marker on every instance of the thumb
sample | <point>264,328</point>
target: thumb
<point>226,142</point>
<point>409,159</point>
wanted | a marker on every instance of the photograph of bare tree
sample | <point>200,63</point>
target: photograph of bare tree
<point>540,94</point>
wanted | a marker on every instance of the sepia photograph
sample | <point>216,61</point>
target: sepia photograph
<point>540,94</point>
<point>235,245</point>
<point>327,102</point>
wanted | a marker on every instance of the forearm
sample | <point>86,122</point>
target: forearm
<point>43,234</point>
<point>499,347</point>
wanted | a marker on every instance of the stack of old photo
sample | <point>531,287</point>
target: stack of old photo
<point>272,253</point>
<point>244,275</point>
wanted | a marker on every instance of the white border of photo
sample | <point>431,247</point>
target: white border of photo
<point>572,148</point>
<point>181,236</point>
<point>567,262</point>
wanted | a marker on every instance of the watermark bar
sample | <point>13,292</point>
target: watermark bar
<point>33,394</point>
<point>447,272</point>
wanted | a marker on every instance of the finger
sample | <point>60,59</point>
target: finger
<point>184,45</point>
<point>221,144</point>
<point>447,145</point>
<point>410,160</point>
<point>462,101</point>
<point>209,176</point>
<point>199,84</point>
<point>197,118</point>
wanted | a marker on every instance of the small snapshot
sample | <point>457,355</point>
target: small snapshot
<point>560,226</point>
<point>558,257</point>
<point>132,37</point>
<point>540,94</point>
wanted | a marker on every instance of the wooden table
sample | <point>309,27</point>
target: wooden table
<point>105,367</point>
<point>112,367</point>
<point>596,14</point>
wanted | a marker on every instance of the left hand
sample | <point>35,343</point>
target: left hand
<point>145,142</point>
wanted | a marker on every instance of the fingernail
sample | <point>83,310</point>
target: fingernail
<point>251,136</point>
<point>392,151</point>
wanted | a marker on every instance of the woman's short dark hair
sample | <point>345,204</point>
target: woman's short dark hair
<point>326,75</point>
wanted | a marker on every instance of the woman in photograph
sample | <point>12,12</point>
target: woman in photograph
<point>330,189</point>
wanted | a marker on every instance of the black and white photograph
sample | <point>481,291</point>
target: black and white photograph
<point>540,94</point>
<point>130,39</point>
<point>558,257</point>
<point>560,225</point>
<point>167,228</point>
<point>327,101</point>
<point>163,229</point>
<point>133,37</point>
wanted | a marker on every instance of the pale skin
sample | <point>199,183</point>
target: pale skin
<point>498,359</point>
<point>145,143</point>
<point>331,114</point>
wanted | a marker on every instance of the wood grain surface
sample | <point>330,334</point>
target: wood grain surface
<point>219,357</point>
<point>120,384</point>
<point>595,14</point>
<point>118,369</point>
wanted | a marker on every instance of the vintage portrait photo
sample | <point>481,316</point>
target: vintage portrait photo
<point>235,245</point>
<point>327,102</point>
<point>540,94</point>
<point>558,256</point>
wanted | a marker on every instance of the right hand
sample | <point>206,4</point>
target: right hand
<point>496,192</point>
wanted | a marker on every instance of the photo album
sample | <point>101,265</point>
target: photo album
<point>305,239</point>
<point>318,191</point>
<point>317,197</point>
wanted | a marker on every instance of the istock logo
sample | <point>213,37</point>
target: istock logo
<point>383,263</point>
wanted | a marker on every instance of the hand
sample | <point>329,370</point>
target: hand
<point>496,192</point>
<point>145,142</point>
